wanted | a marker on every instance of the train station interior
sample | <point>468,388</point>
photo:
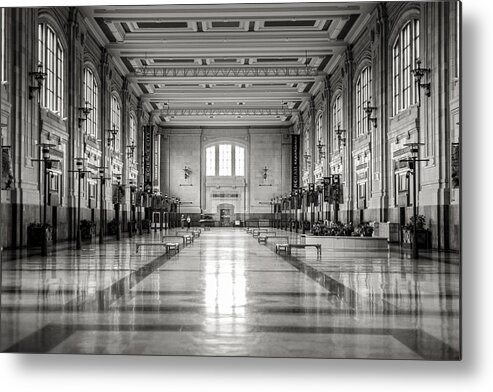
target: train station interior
<point>254,180</point>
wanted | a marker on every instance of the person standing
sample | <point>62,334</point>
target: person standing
<point>182,221</point>
<point>188,222</point>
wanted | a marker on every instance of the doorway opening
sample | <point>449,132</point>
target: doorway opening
<point>226,215</point>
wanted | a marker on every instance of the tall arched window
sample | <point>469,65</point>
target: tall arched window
<point>3,32</point>
<point>363,99</point>
<point>320,135</point>
<point>405,52</point>
<point>225,160</point>
<point>91,96</point>
<point>116,120</point>
<point>132,131</point>
<point>50,54</point>
<point>210,161</point>
<point>239,161</point>
<point>336,121</point>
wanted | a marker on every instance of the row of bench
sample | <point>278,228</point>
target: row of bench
<point>263,235</point>
<point>186,236</point>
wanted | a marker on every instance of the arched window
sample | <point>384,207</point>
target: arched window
<point>336,121</point>
<point>132,132</point>
<point>116,121</point>
<point>91,96</point>
<point>320,135</point>
<point>363,99</point>
<point>3,32</point>
<point>225,160</point>
<point>132,129</point>
<point>50,55</point>
<point>405,52</point>
<point>239,161</point>
<point>210,161</point>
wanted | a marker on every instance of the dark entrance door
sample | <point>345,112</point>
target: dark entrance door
<point>225,216</point>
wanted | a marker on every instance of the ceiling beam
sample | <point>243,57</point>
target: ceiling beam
<point>201,12</point>
<point>159,37</point>
<point>231,111</point>
<point>235,95</point>
<point>208,74</point>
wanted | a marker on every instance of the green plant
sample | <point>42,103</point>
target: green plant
<point>365,229</point>
<point>113,227</point>
<point>87,228</point>
<point>420,223</point>
<point>146,224</point>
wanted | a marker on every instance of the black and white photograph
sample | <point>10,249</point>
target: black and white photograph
<point>267,180</point>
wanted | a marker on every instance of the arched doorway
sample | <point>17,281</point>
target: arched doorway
<point>226,213</point>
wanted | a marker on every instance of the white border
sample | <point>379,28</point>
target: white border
<point>76,373</point>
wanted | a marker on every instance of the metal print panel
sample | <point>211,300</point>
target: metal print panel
<point>288,180</point>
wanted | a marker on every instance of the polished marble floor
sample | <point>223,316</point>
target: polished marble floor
<point>228,295</point>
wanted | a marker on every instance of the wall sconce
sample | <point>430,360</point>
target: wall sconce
<point>113,132</point>
<point>369,110</point>
<point>131,148</point>
<point>340,139</point>
<point>39,76</point>
<point>321,150</point>
<point>418,74</point>
<point>85,110</point>
<point>187,172</point>
<point>265,170</point>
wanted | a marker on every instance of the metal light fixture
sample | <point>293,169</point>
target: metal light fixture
<point>113,132</point>
<point>340,139</point>
<point>85,110</point>
<point>418,74</point>
<point>131,148</point>
<point>369,110</point>
<point>79,164</point>
<point>187,171</point>
<point>321,150</point>
<point>39,76</point>
<point>414,150</point>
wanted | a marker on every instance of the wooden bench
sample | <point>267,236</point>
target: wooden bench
<point>188,237</point>
<point>175,246</point>
<point>282,247</point>
<point>257,232</point>
<point>140,244</point>
<point>263,235</point>
<point>302,246</point>
<point>249,230</point>
<point>165,237</point>
<point>263,238</point>
<point>196,233</point>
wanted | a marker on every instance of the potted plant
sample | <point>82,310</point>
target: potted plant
<point>112,227</point>
<point>87,229</point>
<point>365,229</point>
<point>146,225</point>
<point>422,234</point>
<point>35,234</point>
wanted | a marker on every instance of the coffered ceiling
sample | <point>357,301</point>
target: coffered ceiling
<point>227,64</point>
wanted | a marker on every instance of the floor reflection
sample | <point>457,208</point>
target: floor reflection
<point>228,295</point>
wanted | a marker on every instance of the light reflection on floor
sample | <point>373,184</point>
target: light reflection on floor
<point>228,295</point>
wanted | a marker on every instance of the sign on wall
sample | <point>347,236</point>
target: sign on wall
<point>455,162</point>
<point>148,144</point>
<point>7,173</point>
<point>295,162</point>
